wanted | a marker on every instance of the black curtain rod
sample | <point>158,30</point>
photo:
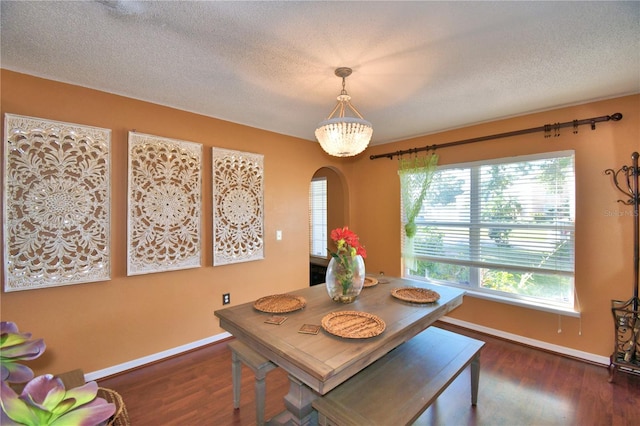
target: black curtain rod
<point>547,128</point>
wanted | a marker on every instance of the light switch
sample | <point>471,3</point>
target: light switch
<point>279,235</point>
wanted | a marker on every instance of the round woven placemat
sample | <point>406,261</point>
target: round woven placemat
<point>280,303</point>
<point>353,324</point>
<point>415,294</point>
<point>370,281</point>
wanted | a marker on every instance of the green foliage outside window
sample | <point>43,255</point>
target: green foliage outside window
<point>510,225</point>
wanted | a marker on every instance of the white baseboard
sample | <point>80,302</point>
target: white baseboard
<point>598,359</point>
<point>109,371</point>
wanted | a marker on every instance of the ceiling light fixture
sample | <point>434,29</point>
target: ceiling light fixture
<point>344,136</point>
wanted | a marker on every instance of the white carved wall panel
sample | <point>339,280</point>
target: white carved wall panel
<point>238,206</point>
<point>164,212</point>
<point>56,203</point>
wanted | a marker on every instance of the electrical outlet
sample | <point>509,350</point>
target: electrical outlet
<point>226,298</point>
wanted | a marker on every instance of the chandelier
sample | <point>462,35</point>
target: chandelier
<point>344,136</point>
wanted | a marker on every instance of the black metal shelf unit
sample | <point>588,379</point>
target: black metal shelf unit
<point>626,353</point>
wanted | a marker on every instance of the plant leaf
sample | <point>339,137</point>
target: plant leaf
<point>44,392</point>
<point>7,328</point>
<point>15,373</point>
<point>89,414</point>
<point>24,350</point>
<point>83,394</point>
<point>10,339</point>
<point>65,405</point>
<point>15,408</point>
<point>6,420</point>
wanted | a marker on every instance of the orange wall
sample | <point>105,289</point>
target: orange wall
<point>98,325</point>
<point>604,243</point>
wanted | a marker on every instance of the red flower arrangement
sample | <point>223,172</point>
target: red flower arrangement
<point>348,247</point>
<point>347,242</point>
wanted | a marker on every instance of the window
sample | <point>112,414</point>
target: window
<point>318,217</point>
<point>502,229</point>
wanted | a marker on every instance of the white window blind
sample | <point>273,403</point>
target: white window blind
<point>318,217</point>
<point>504,226</point>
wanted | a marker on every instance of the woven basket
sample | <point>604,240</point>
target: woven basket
<point>120,417</point>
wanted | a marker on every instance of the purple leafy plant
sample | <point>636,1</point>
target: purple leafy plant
<point>14,347</point>
<point>45,401</point>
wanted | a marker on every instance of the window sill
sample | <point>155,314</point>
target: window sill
<point>525,304</point>
<point>559,310</point>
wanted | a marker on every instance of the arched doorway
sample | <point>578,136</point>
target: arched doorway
<point>336,216</point>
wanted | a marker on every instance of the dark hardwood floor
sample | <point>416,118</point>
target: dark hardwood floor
<point>518,386</point>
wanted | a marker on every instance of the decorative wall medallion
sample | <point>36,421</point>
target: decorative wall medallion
<point>164,204</point>
<point>238,231</point>
<point>56,203</point>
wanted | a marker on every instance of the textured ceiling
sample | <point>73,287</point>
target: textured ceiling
<point>419,67</point>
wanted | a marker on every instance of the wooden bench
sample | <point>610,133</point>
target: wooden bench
<point>260,366</point>
<point>400,386</point>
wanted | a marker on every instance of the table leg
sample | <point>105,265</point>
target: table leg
<point>236,372</point>
<point>298,403</point>
<point>475,378</point>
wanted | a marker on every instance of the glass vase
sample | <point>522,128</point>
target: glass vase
<point>345,278</point>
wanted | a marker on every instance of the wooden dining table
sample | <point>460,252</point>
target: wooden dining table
<point>317,363</point>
